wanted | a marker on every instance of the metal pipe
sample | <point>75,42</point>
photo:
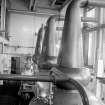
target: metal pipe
<point>35,4</point>
<point>49,44</point>
<point>42,77</point>
<point>31,4</point>
<point>39,43</point>
<point>90,98</point>
<point>85,47</point>
<point>52,3</point>
<point>59,18</point>
<point>85,40</point>
<point>3,16</point>
<point>34,12</point>
<point>51,37</point>
<point>101,26</point>
<point>83,19</point>
<point>87,19</point>
<point>65,4</point>
<point>71,55</point>
<point>97,3</point>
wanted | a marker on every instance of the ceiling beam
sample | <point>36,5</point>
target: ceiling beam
<point>98,3</point>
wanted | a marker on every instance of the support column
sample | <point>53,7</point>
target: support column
<point>99,53</point>
<point>3,16</point>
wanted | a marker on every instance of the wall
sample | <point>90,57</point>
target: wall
<point>22,29</point>
<point>17,4</point>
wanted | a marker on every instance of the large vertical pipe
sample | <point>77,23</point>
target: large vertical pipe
<point>71,52</point>
<point>39,43</point>
<point>85,47</point>
<point>98,3</point>
<point>49,44</point>
<point>3,16</point>
<point>85,40</point>
<point>99,53</point>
